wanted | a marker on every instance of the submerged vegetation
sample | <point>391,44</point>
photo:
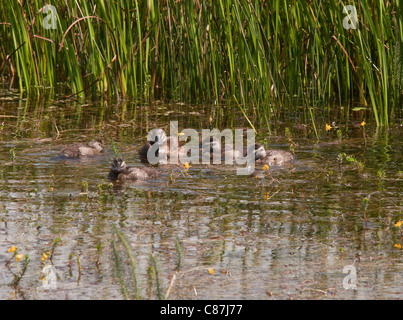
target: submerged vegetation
<point>266,55</point>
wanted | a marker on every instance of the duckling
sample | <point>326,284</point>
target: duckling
<point>212,145</point>
<point>272,157</point>
<point>121,172</point>
<point>159,137</point>
<point>83,149</point>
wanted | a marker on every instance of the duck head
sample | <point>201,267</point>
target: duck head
<point>118,165</point>
<point>97,144</point>
<point>211,144</point>
<point>157,136</point>
<point>257,151</point>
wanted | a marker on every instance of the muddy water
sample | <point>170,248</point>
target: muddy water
<point>203,234</point>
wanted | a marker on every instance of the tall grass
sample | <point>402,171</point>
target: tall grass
<point>268,55</point>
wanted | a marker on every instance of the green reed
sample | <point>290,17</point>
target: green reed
<point>270,56</point>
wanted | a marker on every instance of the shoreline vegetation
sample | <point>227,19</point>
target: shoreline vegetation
<point>262,57</point>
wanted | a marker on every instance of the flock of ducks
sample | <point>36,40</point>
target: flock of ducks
<point>121,172</point>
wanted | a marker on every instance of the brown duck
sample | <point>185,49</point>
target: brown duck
<point>212,145</point>
<point>159,137</point>
<point>78,150</point>
<point>270,157</point>
<point>121,172</point>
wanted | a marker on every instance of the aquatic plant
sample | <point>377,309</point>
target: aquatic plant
<point>116,152</point>
<point>84,186</point>
<point>12,155</point>
<point>308,57</point>
<point>399,225</point>
<point>99,251</point>
<point>79,268</point>
<point>19,271</point>
<point>350,159</point>
<point>291,143</point>
<point>52,250</point>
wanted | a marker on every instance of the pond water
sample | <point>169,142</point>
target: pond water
<point>204,233</point>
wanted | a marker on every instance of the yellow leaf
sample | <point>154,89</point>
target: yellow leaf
<point>266,167</point>
<point>399,224</point>
<point>44,257</point>
<point>328,127</point>
<point>362,123</point>
<point>186,166</point>
<point>398,245</point>
<point>18,257</point>
<point>211,271</point>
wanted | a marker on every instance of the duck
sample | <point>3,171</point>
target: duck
<point>158,136</point>
<point>212,145</point>
<point>121,172</point>
<point>78,150</point>
<point>270,157</point>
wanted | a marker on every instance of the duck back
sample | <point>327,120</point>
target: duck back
<point>77,150</point>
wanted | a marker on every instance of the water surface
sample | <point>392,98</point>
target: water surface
<point>210,234</point>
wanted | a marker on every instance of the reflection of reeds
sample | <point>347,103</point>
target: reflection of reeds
<point>119,269</point>
<point>155,270</point>
<point>179,251</point>
<point>131,290</point>
<point>266,54</point>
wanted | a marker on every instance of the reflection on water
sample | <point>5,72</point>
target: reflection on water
<point>286,234</point>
